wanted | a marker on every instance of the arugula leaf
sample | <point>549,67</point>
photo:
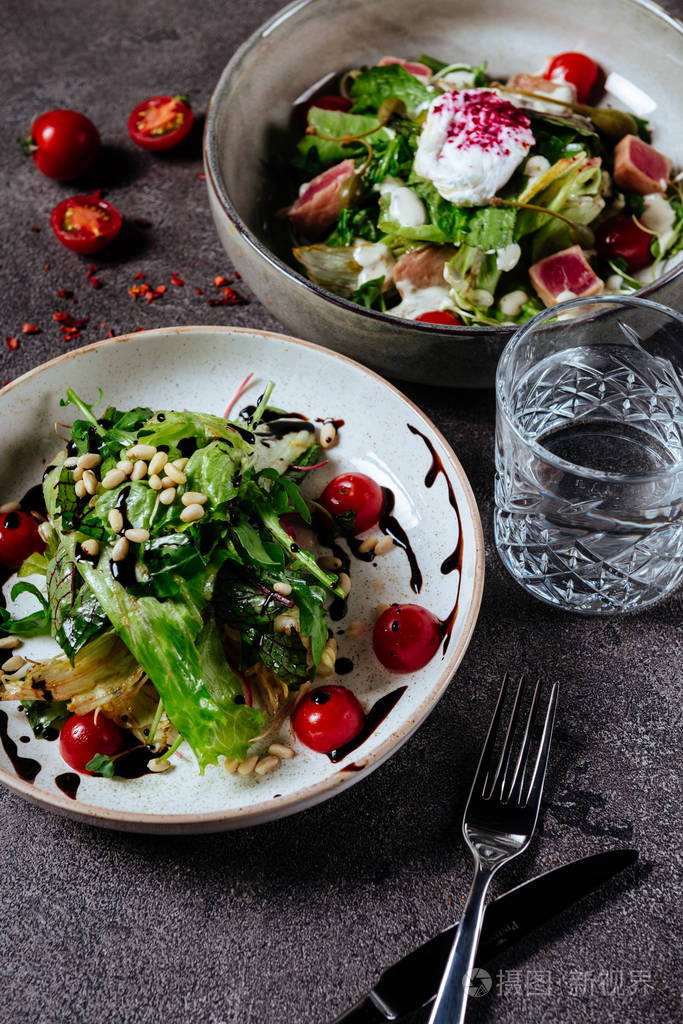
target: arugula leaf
<point>285,654</point>
<point>76,614</point>
<point>83,621</point>
<point>311,603</point>
<point>491,227</point>
<point>451,220</point>
<point>169,556</point>
<point>377,84</point>
<point>432,63</point>
<point>101,764</point>
<point>337,125</point>
<point>353,224</point>
<point>371,294</point>
<point>43,715</point>
<point>35,623</point>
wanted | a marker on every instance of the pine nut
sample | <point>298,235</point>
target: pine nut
<point>91,547</point>
<point>266,765</point>
<point>157,462</point>
<point>120,550</point>
<point>175,474</point>
<point>157,765</point>
<point>155,482</point>
<point>369,544</point>
<point>13,663</point>
<point>78,474</point>
<point>80,489</point>
<point>329,562</point>
<point>328,435</point>
<point>281,751</point>
<point>167,496</point>
<point>282,588</point>
<point>9,643</point>
<point>193,498</point>
<point>167,482</point>
<point>89,460</point>
<point>45,532</point>
<point>112,479</point>
<point>139,470</point>
<point>115,520</point>
<point>69,462</point>
<point>383,545</point>
<point>247,767</point>
<point>90,481</point>
<point>231,764</point>
<point>192,513</point>
<point>9,506</point>
<point>356,628</point>
<point>180,463</point>
<point>142,451</point>
<point>137,536</point>
<point>345,582</point>
<point>126,466</point>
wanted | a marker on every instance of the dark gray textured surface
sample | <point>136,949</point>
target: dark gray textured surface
<point>292,921</point>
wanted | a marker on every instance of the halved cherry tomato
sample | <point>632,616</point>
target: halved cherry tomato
<point>354,493</point>
<point>83,736</point>
<point>63,143</point>
<point>406,637</point>
<point>19,538</point>
<point>84,224</point>
<point>161,122</point>
<point>439,316</point>
<point>620,237</point>
<point>579,70</point>
<point>327,717</point>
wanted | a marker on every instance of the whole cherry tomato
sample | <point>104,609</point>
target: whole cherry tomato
<point>19,538</point>
<point>327,717</point>
<point>63,143</point>
<point>83,736</point>
<point>161,122</point>
<point>579,70</point>
<point>406,637</point>
<point>84,224</point>
<point>439,316</point>
<point>354,493</point>
<point>621,237</point>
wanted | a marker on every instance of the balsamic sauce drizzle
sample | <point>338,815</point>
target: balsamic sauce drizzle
<point>375,716</point>
<point>68,782</point>
<point>25,767</point>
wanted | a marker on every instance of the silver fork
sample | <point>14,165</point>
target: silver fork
<point>498,824</point>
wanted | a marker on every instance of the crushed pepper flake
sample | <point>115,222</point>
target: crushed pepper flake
<point>198,291</point>
<point>12,343</point>
<point>33,227</point>
<point>66,293</point>
<point>177,280</point>
<point>201,175</point>
<point>220,281</point>
<point>46,266</point>
<point>30,329</point>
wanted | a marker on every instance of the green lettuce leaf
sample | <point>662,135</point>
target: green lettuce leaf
<point>337,125</point>
<point>375,85</point>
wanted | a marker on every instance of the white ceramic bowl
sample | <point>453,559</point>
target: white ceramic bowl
<point>309,39</point>
<point>200,368</point>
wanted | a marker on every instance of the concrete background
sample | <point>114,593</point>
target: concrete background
<point>293,921</point>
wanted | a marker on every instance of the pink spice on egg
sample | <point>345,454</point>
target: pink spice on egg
<point>481,119</point>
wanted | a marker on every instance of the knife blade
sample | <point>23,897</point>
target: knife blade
<point>414,980</point>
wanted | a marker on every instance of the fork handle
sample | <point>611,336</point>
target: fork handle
<point>451,1000</point>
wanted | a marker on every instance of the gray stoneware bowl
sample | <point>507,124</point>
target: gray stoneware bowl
<point>306,41</point>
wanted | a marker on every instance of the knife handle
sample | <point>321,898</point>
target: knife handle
<point>364,1012</point>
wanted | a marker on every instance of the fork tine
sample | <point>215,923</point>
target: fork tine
<point>536,787</point>
<point>517,784</point>
<point>506,754</point>
<point>484,766</point>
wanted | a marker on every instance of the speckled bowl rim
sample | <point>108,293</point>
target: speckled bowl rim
<point>315,793</point>
<point>217,185</point>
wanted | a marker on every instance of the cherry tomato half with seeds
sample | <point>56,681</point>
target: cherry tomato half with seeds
<point>327,717</point>
<point>357,494</point>
<point>406,637</point>
<point>83,736</point>
<point>161,122</point>
<point>63,143</point>
<point>439,316</point>
<point>19,538</point>
<point>620,237</point>
<point>578,69</point>
<point>84,224</point>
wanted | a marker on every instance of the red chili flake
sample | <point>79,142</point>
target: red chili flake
<point>30,329</point>
<point>219,281</point>
<point>110,332</point>
<point>230,298</point>
<point>96,193</point>
<point>46,267</point>
<point>201,175</point>
<point>65,293</point>
<point>198,291</point>
<point>238,276</point>
<point>138,277</point>
<point>12,343</point>
<point>60,315</point>
<point>34,227</point>
<point>176,280</point>
<point>103,324</point>
<point>95,282</point>
<point>7,382</point>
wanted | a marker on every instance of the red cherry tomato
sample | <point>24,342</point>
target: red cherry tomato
<point>439,316</point>
<point>64,144</point>
<point>578,69</point>
<point>357,493</point>
<point>161,122</point>
<point>82,737</point>
<point>406,637</point>
<point>84,224</point>
<point>19,538</point>
<point>621,237</point>
<point>327,717</point>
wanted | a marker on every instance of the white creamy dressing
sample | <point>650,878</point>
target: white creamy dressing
<point>508,258</point>
<point>375,260</point>
<point>658,216</point>
<point>468,163</point>
<point>422,300</point>
<point>511,304</point>
<point>565,296</point>
<point>458,78</point>
<point>404,206</point>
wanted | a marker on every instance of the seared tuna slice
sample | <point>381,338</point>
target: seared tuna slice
<point>564,275</point>
<point>639,167</point>
<point>413,66</point>
<point>318,206</point>
<point>422,268</point>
